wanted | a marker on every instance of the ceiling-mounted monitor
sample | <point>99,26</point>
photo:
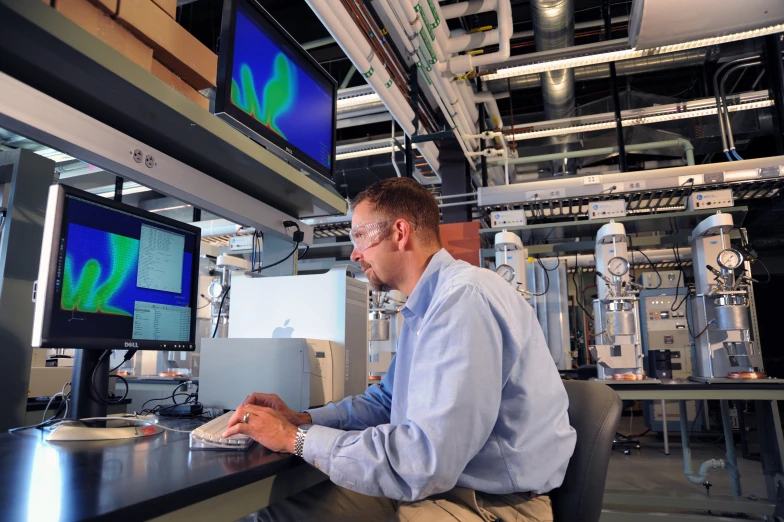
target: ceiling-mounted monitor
<point>273,91</point>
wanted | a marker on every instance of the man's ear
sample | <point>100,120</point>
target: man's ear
<point>404,234</point>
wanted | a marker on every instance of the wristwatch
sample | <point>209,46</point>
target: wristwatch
<point>299,442</point>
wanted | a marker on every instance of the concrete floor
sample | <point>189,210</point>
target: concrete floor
<point>649,469</point>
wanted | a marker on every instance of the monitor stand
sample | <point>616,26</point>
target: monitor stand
<point>85,405</point>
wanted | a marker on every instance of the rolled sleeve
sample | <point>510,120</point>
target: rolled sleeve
<point>324,416</point>
<point>319,443</point>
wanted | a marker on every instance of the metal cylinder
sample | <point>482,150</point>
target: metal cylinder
<point>379,329</point>
<point>620,323</point>
<point>732,317</point>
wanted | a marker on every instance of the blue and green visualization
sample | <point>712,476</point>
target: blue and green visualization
<point>99,275</point>
<point>268,85</point>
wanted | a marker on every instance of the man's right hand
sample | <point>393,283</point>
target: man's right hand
<point>270,400</point>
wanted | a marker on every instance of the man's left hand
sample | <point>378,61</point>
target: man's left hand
<point>266,426</point>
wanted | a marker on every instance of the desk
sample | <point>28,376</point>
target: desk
<point>765,396</point>
<point>156,478</point>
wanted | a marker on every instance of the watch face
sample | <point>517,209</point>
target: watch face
<point>618,266</point>
<point>729,259</point>
<point>506,271</point>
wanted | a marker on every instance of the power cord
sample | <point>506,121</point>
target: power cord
<point>655,270</point>
<point>298,238</point>
<point>220,311</point>
<point>104,355</point>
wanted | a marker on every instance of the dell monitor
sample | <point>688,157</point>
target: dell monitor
<point>272,90</point>
<point>113,277</point>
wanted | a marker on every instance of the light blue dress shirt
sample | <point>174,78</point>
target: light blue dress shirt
<point>472,399</point>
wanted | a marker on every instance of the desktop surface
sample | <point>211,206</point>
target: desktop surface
<point>121,480</point>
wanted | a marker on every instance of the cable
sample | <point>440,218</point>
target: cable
<point>296,247</point>
<point>576,292</point>
<point>307,247</point>
<point>674,308</point>
<point>546,276</point>
<point>655,270</point>
<point>97,395</point>
<point>220,311</point>
<point>127,357</point>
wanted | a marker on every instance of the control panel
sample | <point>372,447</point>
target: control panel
<point>607,209</point>
<point>505,218</point>
<point>667,330</point>
<point>710,199</point>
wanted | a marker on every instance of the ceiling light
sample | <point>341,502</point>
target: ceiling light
<point>356,101</point>
<point>170,208</point>
<point>367,152</point>
<point>54,155</point>
<point>639,120</point>
<point>128,188</point>
<point>614,56</point>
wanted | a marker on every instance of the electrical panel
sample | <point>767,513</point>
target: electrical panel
<point>710,199</point>
<point>669,279</point>
<point>505,218</point>
<point>667,330</point>
<point>607,209</point>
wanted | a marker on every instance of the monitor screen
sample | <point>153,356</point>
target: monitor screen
<point>115,276</point>
<point>272,86</point>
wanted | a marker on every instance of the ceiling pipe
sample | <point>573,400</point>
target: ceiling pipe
<point>554,29</point>
<point>345,32</point>
<point>465,63</point>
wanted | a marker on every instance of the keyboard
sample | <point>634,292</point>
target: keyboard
<point>209,436</point>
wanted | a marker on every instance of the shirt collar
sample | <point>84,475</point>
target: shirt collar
<point>420,298</point>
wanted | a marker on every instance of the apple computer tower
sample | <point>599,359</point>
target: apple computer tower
<point>331,306</point>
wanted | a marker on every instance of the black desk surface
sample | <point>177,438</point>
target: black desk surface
<point>680,385</point>
<point>120,480</point>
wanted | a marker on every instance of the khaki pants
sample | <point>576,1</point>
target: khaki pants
<point>330,503</point>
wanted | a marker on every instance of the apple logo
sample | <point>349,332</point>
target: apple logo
<point>283,333</point>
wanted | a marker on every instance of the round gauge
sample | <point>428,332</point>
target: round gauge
<point>215,289</point>
<point>506,271</point>
<point>618,266</point>
<point>729,259</point>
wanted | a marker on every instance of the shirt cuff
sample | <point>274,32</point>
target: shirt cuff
<point>318,447</point>
<point>326,416</point>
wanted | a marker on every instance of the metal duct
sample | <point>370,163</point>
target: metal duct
<point>624,68</point>
<point>553,22</point>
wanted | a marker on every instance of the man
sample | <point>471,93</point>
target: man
<point>469,423</point>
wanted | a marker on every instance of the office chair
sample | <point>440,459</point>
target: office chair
<point>623,442</point>
<point>594,412</point>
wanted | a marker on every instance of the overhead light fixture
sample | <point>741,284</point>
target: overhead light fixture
<point>626,54</point>
<point>54,155</point>
<point>128,188</point>
<point>356,101</point>
<point>170,208</point>
<point>639,120</point>
<point>368,152</point>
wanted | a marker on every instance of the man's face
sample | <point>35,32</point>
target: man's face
<point>377,259</point>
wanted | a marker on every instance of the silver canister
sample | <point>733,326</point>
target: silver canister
<point>620,323</point>
<point>732,317</point>
<point>379,327</point>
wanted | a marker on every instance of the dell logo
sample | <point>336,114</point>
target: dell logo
<point>289,151</point>
<point>131,345</point>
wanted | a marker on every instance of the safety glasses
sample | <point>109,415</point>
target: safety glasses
<point>365,235</point>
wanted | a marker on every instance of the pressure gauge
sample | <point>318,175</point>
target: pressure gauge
<point>618,266</point>
<point>215,289</point>
<point>506,271</point>
<point>729,259</point>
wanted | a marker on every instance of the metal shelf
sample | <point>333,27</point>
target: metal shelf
<point>673,222</point>
<point>48,52</point>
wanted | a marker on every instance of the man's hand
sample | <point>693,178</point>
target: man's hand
<point>266,426</point>
<point>270,400</point>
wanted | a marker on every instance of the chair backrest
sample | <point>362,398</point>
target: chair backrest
<point>594,412</point>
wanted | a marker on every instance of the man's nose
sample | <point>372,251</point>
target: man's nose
<point>355,255</point>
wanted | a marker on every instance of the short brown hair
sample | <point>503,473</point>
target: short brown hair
<point>405,198</point>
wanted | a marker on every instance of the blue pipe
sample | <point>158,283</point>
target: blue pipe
<point>735,153</point>
<point>729,158</point>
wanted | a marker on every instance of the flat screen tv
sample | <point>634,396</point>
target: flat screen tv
<point>273,91</point>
